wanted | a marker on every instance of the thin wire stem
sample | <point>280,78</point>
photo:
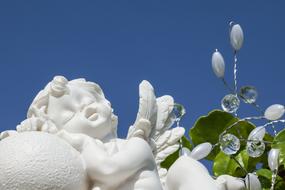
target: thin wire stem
<point>274,129</point>
<point>241,120</point>
<point>227,86</point>
<point>235,72</point>
<point>273,122</point>
<point>273,179</point>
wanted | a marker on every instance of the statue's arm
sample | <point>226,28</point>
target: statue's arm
<point>115,168</point>
<point>7,133</point>
<point>120,166</point>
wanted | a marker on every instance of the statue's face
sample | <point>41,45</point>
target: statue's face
<point>80,111</point>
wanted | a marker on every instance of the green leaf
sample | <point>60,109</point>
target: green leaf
<point>265,176</point>
<point>208,128</point>
<point>279,142</point>
<point>225,164</point>
<point>173,157</point>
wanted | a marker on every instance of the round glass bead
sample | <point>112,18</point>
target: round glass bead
<point>248,94</point>
<point>255,148</point>
<point>229,144</point>
<point>179,111</point>
<point>230,103</point>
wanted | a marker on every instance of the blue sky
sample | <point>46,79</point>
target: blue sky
<point>119,43</point>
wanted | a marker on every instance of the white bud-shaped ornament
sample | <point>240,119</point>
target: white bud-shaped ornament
<point>252,182</point>
<point>185,151</point>
<point>218,64</point>
<point>201,151</point>
<point>273,159</point>
<point>274,112</point>
<point>236,37</point>
<point>257,134</point>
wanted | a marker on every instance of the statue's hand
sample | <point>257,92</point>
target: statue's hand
<point>37,124</point>
<point>8,133</point>
<point>141,129</point>
<point>76,140</point>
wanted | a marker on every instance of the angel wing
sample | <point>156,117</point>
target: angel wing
<point>153,123</point>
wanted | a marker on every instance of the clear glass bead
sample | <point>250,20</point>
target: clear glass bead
<point>179,111</point>
<point>248,94</point>
<point>229,144</point>
<point>255,148</point>
<point>230,103</point>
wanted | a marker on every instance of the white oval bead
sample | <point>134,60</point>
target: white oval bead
<point>218,64</point>
<point>252,182</point>
<point>185,151</point>
<point>273,159</point>
<point>236,36</point>
<point>257,133</point>
<point>274,112</point>
<point>201,151</point>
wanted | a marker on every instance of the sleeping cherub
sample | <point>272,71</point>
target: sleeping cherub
<point>78,112</point>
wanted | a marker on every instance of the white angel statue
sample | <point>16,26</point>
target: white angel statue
<point>77,112</point>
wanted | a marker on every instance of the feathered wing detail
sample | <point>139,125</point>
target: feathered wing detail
<point>168,143</point>
<point>166,138</point>
<point>153,123</point>
<point>147,111</point>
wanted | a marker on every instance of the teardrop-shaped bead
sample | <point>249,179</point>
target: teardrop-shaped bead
<point>274,112</point>
<point>248,94</point>
<point>236,37</point>
<point>184,152</point>
<point>257,133</point>
<point>252,182</point>
<point>273,159</point>
<point>201,151</point>
<point>218,64</point>
<point>178,110</point>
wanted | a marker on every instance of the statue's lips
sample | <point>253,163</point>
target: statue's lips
<point>91,114</point>
<point>93,117</point>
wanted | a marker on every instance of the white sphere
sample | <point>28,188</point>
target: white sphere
<point>40,161</point>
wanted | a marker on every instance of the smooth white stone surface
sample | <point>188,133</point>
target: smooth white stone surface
<point>189,174</point>
<point>274,112</point>
<point>236,37</point>
<point>218,64</point>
